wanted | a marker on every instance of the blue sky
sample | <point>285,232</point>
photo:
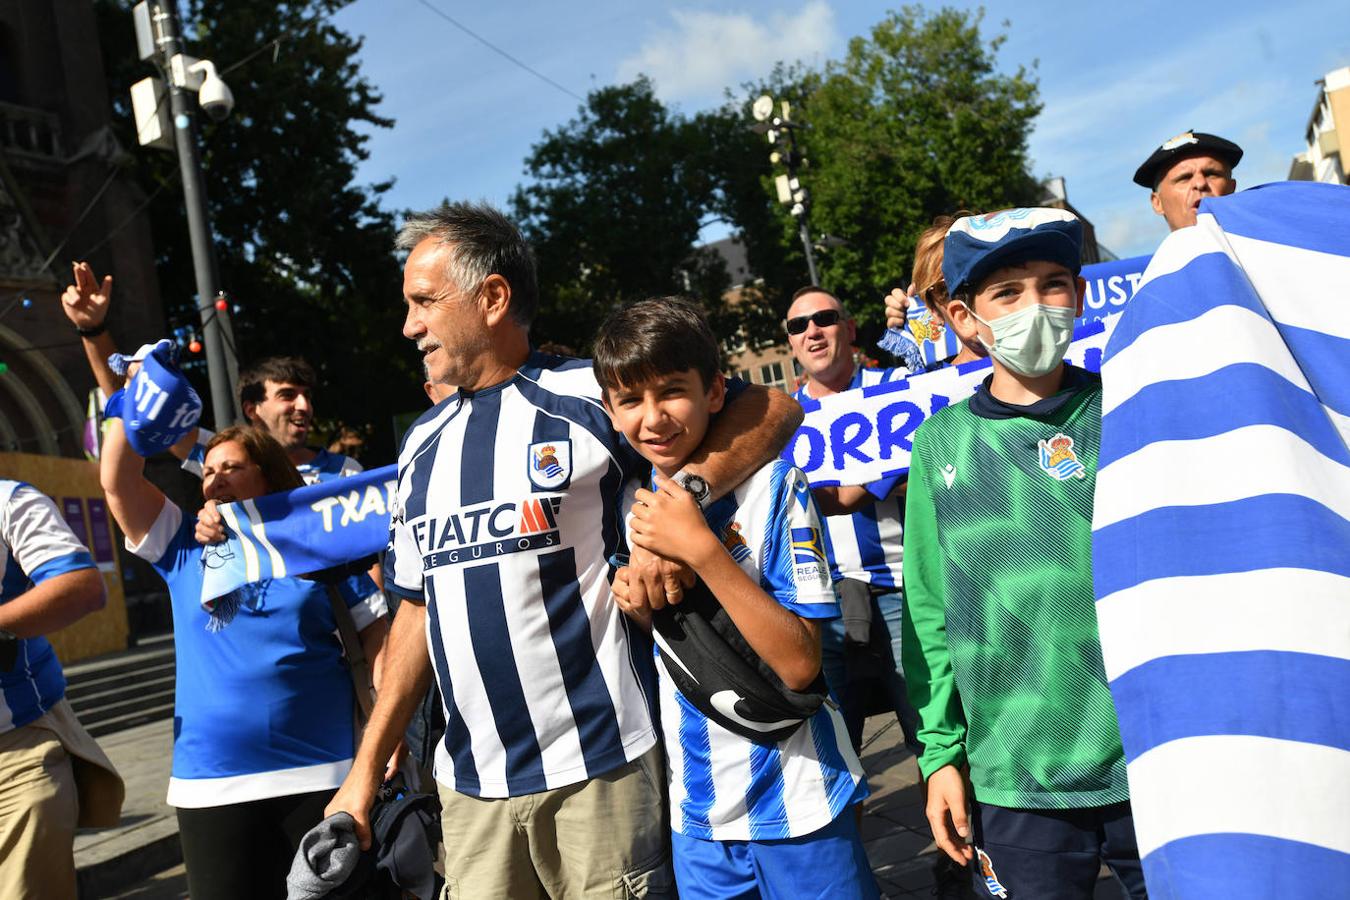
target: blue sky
<point>1116,80</point>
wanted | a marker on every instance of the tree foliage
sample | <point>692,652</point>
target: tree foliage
<point>305,250</point>
<point>915,121</point>
<point>613,210</point>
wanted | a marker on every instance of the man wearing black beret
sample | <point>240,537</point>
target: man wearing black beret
<point>1185,170</point>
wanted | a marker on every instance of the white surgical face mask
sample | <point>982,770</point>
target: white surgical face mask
<point>1031,341</point>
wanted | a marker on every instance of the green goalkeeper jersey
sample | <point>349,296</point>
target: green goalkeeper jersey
<point>1000,646</point>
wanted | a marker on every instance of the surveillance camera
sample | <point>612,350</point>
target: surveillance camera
<point>213,94</point>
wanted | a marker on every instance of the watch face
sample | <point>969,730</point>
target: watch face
<point>696,486</point>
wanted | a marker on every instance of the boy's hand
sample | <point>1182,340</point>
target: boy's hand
<point>210,525</point>
<point>947,813</point>
<point>670,524</point>
<point>85,302</point>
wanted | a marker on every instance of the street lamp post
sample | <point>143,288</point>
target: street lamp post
<point>186,76</point>
<point>782,134</point>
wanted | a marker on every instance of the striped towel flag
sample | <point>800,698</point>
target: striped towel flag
<point>1221,542</point>
<point>292,533</point>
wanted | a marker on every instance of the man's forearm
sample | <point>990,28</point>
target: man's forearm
<point>374,641</point>
<point>97,350</point>
<point>406,677</point>
<point>749,432</point>
<point>55,603</point>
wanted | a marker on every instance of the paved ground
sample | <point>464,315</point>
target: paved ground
<point>894,830</point>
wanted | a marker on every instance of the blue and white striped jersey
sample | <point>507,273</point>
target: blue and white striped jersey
<point>507,515</point>
<point>35,544</point>
<point>722,786</point>
<point>867,545</point>
<point>325,466</point>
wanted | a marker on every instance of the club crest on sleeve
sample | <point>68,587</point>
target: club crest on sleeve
<point>991,882</point>
<point>1058,459</point>
<point>550,463</point>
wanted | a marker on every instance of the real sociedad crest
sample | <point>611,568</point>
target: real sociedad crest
<point>1058,459</point>
<point>991,882</point>
<point>550,464</point>
<point>926,327</point>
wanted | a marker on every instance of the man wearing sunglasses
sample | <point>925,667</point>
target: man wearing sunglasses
<point>860,651</point>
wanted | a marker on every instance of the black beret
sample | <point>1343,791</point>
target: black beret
<point>1190,143</point>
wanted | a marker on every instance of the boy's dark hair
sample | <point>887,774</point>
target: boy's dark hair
<point>649,338</point>
<point>280,369</point>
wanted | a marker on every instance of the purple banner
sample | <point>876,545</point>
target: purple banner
<point>100,530</point>
<point>72,508</point>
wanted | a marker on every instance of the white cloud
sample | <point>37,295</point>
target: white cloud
<point>1095,130</point>
<point>704,52</point>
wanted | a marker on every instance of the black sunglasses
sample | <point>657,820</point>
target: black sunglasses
<point>823,318</point>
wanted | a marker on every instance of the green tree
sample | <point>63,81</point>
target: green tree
<point>913,122</point>
<point>304,249</point>
<point>613,208</point>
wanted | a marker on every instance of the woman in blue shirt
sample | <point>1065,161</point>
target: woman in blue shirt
<point>263,715</point>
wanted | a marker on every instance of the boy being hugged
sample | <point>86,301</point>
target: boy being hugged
<point>748,818</point>
<point>1001,653</point>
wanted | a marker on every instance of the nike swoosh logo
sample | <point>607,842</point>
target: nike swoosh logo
<point>725,703</point>
<point>949,474</point>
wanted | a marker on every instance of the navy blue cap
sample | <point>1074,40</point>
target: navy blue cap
<point>977,245</point>
<point>1188,143</point>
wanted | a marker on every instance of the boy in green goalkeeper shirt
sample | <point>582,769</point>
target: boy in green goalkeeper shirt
<point>1000,646</point>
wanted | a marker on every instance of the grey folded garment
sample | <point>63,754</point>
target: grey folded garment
<point>328,855</point>
<point>855,608</point>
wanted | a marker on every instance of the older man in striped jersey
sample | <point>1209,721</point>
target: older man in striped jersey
<point>549,771</point>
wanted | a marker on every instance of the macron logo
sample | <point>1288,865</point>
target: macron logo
<point>949,474</point>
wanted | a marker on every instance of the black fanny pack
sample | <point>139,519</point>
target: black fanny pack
<point>718,671</point>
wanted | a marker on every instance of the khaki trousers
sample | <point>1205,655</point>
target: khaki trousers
<point>608,838</point>
<point>53,778</point>
<point>38,809</point>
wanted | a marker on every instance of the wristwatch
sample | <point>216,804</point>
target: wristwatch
<point>696,486</point>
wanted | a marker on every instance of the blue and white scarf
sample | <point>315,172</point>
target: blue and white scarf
<point>293,533</point>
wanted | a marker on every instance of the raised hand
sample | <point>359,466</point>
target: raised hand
<point>897,307</point>
<point>86,301</point>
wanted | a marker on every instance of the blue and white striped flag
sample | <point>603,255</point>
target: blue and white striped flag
<point>1222,548</point>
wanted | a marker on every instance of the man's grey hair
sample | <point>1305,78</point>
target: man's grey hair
<point>483,242</point>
